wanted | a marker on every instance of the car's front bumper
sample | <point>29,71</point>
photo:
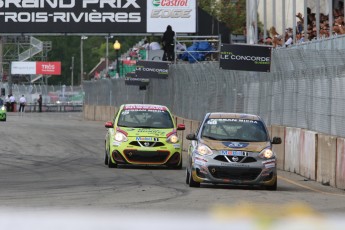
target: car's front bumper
<point>255,173</point>
<point>169,154</point>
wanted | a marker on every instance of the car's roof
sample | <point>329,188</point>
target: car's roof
<point>216,115</point>
<point>144,106</point>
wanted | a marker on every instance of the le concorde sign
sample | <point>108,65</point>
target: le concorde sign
<point>245,57</point>
<point>96,16</point>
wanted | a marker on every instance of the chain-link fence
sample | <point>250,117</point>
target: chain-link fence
<point>305,89</point>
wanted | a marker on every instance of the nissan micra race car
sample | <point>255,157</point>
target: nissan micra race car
<point>143,134</point>
<point>231,148</point>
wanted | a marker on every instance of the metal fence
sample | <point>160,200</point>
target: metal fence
<point>306,89</point>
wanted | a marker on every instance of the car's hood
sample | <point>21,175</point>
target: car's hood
<point>235,145</point>
<point>145,132</point>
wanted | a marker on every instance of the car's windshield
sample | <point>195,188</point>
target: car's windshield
<point>159,119</point>
<point>234,130</point>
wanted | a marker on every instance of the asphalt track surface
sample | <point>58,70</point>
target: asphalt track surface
<point>55,161</point>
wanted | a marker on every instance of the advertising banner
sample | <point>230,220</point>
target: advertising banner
<point>180,14</point>
<point>31,67</point>
<point>48,68</point>
<point>27,67</point>
<point>73,16</point>
<point>97,16</point>
<point>245,57</point>
<point>152,69</point>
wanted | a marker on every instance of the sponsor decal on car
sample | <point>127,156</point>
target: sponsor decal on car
<point>146,139</point>
<point>235,144</point>
<point>177,146</point>
<point>269,163</point>
<point>233,153</point>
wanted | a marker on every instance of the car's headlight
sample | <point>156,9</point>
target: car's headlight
<point>204,150</point>
<point>266,154</point>
<point>172,139</point>
<point>120,137</point>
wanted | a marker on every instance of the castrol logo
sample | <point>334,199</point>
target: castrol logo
<point>164,3</point>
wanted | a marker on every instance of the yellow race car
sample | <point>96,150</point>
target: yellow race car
<point>143,134</point>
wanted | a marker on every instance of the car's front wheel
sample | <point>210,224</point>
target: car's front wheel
<point>192,182</point>
<point>272,187</point>
<point>110,163</point>
<point>187,176</point>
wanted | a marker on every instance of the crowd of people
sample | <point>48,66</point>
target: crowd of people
<point>11,103</point>
<point>287,38</point>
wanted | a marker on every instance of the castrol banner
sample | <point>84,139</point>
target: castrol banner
<point>179,14</point>
<point>31,67</point>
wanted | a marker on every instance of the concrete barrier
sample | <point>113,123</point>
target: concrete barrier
<point>292,149</point>
<point>279,131</point>
<point>340,167</point>
<point>308,154</point>
<point>326,159</point>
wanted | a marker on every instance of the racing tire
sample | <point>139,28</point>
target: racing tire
<point>192,182</point>
<point>187,176</point>
<point>106,158</point>
<point>111,164</point>
<point>179,166</point>
<point>272,187</point>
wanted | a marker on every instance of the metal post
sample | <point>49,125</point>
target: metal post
<point>107,56</point>
<point>81,60</point>
<point>72,70</point>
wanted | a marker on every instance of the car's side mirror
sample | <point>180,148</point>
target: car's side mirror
<point>109,124</point>
<point>276,140</point>
<point>181,127</point>
<point>191,137</point>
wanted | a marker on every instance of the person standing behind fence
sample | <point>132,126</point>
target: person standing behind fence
<point>39,100</point>
<point>168,44</point>
<point>22,103</point>
<point>12,102</point>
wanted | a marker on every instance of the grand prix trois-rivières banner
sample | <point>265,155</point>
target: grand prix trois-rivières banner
<point>96,16</point>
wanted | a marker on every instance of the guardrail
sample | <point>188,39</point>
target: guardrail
<point>52,108</point>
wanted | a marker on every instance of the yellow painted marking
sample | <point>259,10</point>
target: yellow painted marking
<point>309,188</point>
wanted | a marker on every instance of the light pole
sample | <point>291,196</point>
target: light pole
<point>82,38</point>
<point>117,47</point>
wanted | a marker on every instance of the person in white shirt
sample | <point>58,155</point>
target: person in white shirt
<point>12,101</point>
<point>22,103</point>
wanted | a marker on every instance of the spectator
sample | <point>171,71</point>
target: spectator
<point>22,103</point>
<point>12,102</point>
<point>7,102</point>
<point>39,100</point>
<point>146,45</point>
<point>168,44</point>
<point>154,46</point>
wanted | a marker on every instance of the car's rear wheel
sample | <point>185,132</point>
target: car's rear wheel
<point>192,182</point>
<point>110,163</point>
<point>272,187</point>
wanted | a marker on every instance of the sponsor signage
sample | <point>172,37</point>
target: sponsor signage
<point>97,16</point>
<point>44,68</point>
<point>131,79</point>
<point>152,69</point>
<point>245,57</point>
<point>180,14</point>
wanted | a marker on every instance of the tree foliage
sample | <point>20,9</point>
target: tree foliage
<point>231,12</point>
<point>94,48</point>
